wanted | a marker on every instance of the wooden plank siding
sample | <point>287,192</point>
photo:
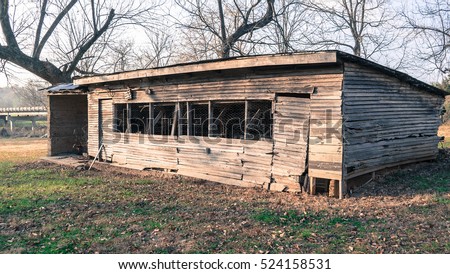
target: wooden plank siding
<point>386,122</point>
<point>106,124</point>
<point>232,161</point>
<point>325,137</point>
<point>290,138</point>
<point>93,119</point>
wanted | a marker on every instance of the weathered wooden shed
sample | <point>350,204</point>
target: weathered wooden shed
<point>273,121</point>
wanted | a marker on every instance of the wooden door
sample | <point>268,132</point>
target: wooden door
<point>105,127</point>
<point>290,135</point>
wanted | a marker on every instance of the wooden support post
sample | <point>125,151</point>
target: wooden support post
<point>312,185</point>
<point>151,118</point>
<point>128,130</point>
<point>180,123</point>
<point>175,120</point>
<point>246,120</point>
<point>333,189</point>
<point>189,118</point>
<point>342,189</point>
<point>210,118</point>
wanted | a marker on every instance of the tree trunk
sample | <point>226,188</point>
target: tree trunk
<point>357,48</point>
<point>43,69</point>
<point>225,51</point>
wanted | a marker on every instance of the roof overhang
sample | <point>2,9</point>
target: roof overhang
<point>214,65</point>
<point>66,89</point>
<point>302,58</point>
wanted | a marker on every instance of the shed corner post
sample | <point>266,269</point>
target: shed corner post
<point>49,125</point>
<point>342,188</point>
<point>312,185</point>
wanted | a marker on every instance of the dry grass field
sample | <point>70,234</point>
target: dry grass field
<point>46,208</point>
<point>22,149</point>
<point>444,130</point>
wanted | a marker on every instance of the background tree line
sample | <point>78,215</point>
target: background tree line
<point>58,39</point>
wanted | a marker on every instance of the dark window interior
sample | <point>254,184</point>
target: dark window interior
<point>228,120</point>
<point>120,116</point>
<point>199,113</point>
<point>163,119</point>
<point>259,123</point>
<point>139,115</point>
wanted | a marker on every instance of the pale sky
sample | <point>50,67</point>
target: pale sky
<point>21,76</point>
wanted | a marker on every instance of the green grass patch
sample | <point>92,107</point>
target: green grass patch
<point>288,218</point>
<point>437,181</point>
<point>443,200</point>
<point>12,206</point>
<point>150,225</point>
<point>26,123</point>
<point>345,222</point>
<point>446,144</point>
<point>306,233</point>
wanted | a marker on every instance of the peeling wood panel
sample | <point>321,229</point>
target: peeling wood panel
<point>387,122</point>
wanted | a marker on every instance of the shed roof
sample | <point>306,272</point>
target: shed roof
<point>301,58</point>
<point>68,88</point>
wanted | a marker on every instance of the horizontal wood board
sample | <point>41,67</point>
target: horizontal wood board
<point>386,121</point>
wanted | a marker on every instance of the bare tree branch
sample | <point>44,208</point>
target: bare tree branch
<point>363,26</point>
<point>6,25</point>
<point>37,51</point>
<point>90,42</point>
<point>64,32</point>
<point>429,25</point>
<point>234,17</point>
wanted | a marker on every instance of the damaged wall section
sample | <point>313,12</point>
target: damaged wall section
<point>386,122</point>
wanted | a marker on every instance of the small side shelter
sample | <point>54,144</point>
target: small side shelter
<point>67,119</point>
<point>285,122</point>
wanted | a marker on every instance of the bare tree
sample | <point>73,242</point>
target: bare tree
<point>32,94</point>
<point>51,38</point>
<point>359,26</point>
<point>158,52</point>
<point>288,26</point>
<point>224,23</point>
<point>120,56</point>
<point>429,23</point>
